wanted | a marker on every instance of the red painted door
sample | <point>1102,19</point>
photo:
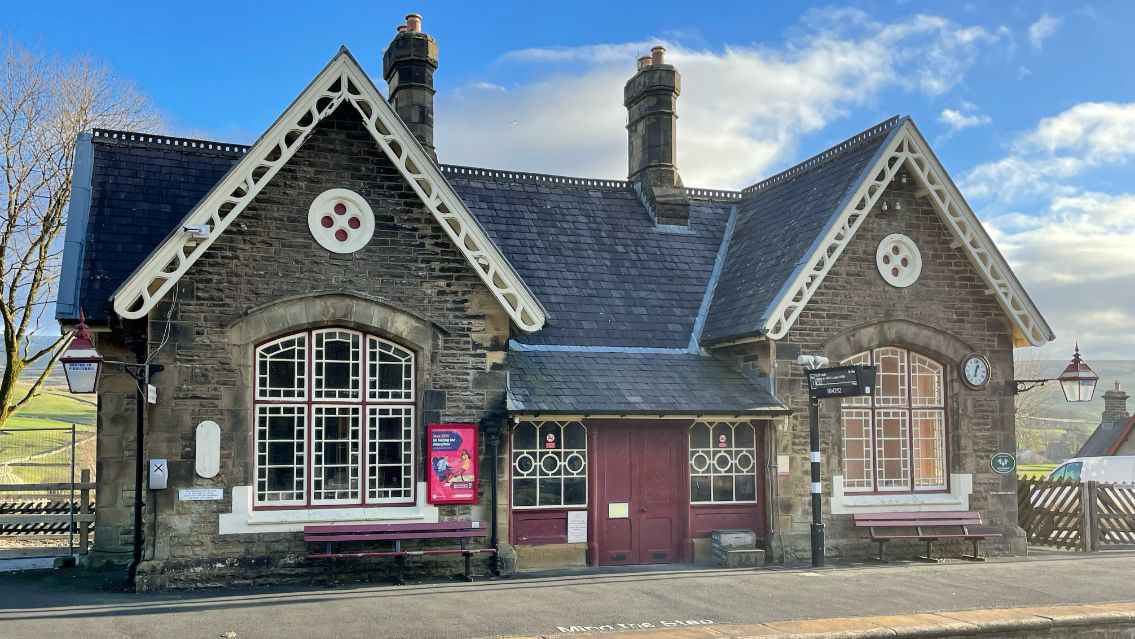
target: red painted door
<point>641,472</point>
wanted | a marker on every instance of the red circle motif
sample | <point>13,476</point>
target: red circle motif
<point>354,222</point>
<point>340,208</point>
<point>341,235</point>
<point>327,222</point>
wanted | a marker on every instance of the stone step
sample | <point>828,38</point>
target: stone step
<point>740,558</point>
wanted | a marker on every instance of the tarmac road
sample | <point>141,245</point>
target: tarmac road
<point>48,605</point>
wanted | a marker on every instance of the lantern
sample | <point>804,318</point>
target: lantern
<point>82,364</point>
<point>1078,380</point>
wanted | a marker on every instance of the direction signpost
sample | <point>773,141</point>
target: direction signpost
<point>829,383</point>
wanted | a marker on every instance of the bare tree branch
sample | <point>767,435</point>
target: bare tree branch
<point>45,103</point>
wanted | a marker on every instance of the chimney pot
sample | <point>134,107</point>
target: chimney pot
<point>414,23</point>
<point>643,62</point>
<point>656,54</point>
<point>402,28</point>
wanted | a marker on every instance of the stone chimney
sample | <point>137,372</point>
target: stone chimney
<point>651,96</point>
<point>1115,405</point>
<point>408,67</point>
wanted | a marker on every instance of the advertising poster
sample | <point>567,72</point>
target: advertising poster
<point>452,455</point>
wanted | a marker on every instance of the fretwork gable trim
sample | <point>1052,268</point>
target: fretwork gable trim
<point>342,80</point>
<point>906,147</point>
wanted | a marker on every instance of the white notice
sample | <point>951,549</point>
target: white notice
<point>200,494</point>
<point>577,527</point>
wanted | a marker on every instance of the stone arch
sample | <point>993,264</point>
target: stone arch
<point>945,348</point>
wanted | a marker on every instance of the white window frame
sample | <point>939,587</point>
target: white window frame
<point>903,407</point>
<point>540,455</point>
<point>706,462</point>
<point>361,403</point>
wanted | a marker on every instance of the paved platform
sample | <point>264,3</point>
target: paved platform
<point>724,603</point>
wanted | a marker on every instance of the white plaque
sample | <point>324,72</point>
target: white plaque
<point>208,461</point>
<point>618,510</point>
<point>577,526</point>
<point>200,494</point>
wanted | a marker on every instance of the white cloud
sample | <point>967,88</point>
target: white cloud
<point>1041,162</point>
<point>1074,254</point>
<point>1043,29</point>
<point>957,120</point>
<point>742,110</point>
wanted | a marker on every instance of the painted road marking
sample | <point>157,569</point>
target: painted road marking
<point>615,627</point>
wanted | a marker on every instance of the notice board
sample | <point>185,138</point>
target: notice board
<point>452,453</point>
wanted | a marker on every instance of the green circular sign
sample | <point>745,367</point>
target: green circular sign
<point>1003,463</point>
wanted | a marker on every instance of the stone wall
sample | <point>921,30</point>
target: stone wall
<point>266,276</point>
<point>945,314</point>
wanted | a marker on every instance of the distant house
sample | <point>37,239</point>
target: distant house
<point>318,299</point>
<point>1113,435</point>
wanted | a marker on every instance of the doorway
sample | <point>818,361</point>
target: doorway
<point>640,478</point>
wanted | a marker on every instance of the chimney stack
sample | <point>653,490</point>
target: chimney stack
<point>1115,405</point>
<point>408,67</point>
<point>651,96</point>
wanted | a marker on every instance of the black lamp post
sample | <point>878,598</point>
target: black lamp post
<point>493,429</point>
<point>1078,381</point>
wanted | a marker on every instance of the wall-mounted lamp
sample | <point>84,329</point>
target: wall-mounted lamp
<point>1078,381</point>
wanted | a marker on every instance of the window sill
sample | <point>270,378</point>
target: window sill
<point>244,520</point>
<point>961,487</point>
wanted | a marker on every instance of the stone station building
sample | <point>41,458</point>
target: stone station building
<point>319,298</point>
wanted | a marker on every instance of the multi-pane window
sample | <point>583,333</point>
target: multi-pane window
<point>723,462</point>
<point>549,464</point>
<point>334,420</point>
<point>895,440</point>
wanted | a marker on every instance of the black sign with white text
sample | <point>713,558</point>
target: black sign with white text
<point>842,381</point>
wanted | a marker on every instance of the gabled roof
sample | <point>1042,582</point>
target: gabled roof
<point>340,81</point>
<point>840,177</point>
<point>607,275</point>
<point>129,190</point>
<point>1106,439</point>
<point>632,383</point>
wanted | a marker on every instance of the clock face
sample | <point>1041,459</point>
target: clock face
<point>975,371</point>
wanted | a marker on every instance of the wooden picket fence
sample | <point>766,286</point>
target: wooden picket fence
<point>50,509</point>
<point>1070,515</point>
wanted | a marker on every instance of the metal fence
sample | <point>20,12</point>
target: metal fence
<point>46,490</point>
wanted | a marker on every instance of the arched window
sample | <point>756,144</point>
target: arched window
<point>895,440</point>
<point>334,420</point>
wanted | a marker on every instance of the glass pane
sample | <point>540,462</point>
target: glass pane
<point>336,439</point>
<point>745,487</point>
<point>723,488</point>
<point>699,436</point>
<point>550,436</point>
<point>700,488</point>
<point>280,453</point>
<point>863,358</point>
<point>575,436</point>
<point>524,492</point>
<point>745,435</point>
<point>891,449</point>
<point>926,381</point>
<point>1073,471</point>
<point>391,370</point>
<point>929,454</point>
<point>722,436</point>
<point>857,453</point>
<point>551,492</point>
<point>337,365</point>
<point>524,436</point>
<point>281,369</point>
<point>390,453</point>
<point>891,381</point>
<point>575,492</point>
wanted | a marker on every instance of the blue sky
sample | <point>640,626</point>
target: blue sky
<point>1030,105</point>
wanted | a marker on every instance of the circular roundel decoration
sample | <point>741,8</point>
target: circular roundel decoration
<point>340,220</point>
<point>899,260</point>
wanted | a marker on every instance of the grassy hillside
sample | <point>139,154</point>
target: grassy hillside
<point>35,443</point>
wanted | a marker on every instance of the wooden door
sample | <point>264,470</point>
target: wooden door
<point>641,472</point>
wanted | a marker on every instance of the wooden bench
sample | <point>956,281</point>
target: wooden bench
<point>927,527</point>
<point>462,531</point>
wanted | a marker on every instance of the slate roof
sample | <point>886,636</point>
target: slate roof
<point>594,258</point>
<point>778,222</point>
<point>627,383</point>
<point>141,188</point>
<point>1107,437</point>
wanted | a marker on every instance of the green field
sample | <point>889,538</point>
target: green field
<point>35,443</point>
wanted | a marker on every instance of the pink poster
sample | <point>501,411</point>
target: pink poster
<point>452,455</point>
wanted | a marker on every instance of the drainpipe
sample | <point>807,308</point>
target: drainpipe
<point>493,428</point>
<point>139,376</point>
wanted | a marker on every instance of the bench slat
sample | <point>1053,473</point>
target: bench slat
<point>385,536</point>
<point>915,523</point>
<point>411,553</point>
<point>921,514</point>
<point>442,526</point>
